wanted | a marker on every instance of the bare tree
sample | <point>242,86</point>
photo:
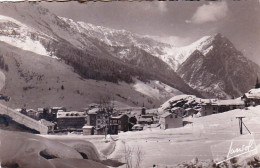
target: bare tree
<point>139,157</point>
<point>133,154</point>
<point>128,156</point>
<point>106,108</point>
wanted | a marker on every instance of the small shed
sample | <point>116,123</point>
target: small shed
<point>88,130</point>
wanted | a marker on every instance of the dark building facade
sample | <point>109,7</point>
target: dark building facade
<point>70,120</point>
<point>121,121</point>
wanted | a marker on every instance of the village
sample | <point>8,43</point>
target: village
<point>98,119</point>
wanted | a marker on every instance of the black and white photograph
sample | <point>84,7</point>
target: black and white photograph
<point>130,84</point>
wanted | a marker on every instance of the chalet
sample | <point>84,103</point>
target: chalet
<point>53,112</point>
<point>96,118</point>
<point>219,106</point>
<point>70,120</point>
<point>170,120</point>
<point>252,97</point>
<point>122,121</point>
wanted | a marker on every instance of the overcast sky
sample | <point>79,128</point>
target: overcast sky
<point>178,22</point>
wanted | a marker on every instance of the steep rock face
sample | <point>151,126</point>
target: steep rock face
<point>222,72</point>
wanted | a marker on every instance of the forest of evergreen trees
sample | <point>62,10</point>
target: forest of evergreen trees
<point>114,70</point>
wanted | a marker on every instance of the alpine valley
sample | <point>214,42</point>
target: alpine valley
<point>47,60</point>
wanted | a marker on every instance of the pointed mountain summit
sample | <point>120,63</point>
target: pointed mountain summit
<point>222,71</point>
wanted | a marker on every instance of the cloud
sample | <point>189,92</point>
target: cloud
<point>211,12</point>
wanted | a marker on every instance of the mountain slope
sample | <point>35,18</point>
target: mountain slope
<point>85,51</point>
<point>35,81</point>
<point>221,72</point>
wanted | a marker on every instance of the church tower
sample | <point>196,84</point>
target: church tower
<point>143,110</point>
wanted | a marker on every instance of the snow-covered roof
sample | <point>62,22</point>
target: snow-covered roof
<point>40,109</point>
<point>31,110</point>
<point>118,117</point>
<point>176,108</point>
<point>87,127</point>
<point>226,102</point>
<point>56,107</point>
<point>253,94</point>
<point>145,119</point>
<point>137,126</point>
<point>231,102</point>
<point>168,103</point>
<point>207,100</point>
<point>93,111</point>
<point>46,123</point>
<point>71,114</point>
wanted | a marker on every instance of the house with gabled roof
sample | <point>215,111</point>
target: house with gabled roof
<point>252,97</point>
<point>122,121</point>
<point>214,106</point>
<point>170,120</point>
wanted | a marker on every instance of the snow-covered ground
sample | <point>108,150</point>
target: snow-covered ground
<point>156,89</point>
<point>22,36</point>
<point>173,146</point>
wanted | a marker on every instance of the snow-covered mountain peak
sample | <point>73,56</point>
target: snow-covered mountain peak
<point>22,36</point>
<point>175,56</point>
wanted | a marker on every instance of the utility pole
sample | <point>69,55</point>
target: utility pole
<point>241,123</point>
